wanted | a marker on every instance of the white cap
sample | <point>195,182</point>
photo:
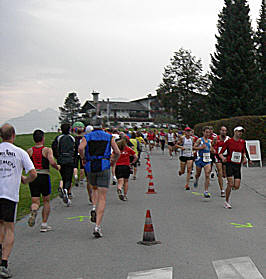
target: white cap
<point>239,128</point>
<point>88,129</point>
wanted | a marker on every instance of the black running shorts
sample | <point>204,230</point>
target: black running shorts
<point>8,210</point>
<point>170,143</point>
<point>78,162</point>
<point>184,159</point>
<point>40,186</point>
<point>122,171</point>
<point>233,170</point>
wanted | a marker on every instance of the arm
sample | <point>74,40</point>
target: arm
<point>116,152</point>
<point>50,157</point>
<point>81,150</point>
<point>222,151</point>
<point>196,145</point>
<point>27,179</point>
<point>135,159</point>
<point>179,144</point>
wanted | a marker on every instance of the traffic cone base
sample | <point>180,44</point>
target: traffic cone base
<point>148,235</point>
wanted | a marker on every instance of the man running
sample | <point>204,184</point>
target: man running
<point>162,136</point>
<point>151,139</point>
<point>211,138</point>
<point>12,161</point>
<point>218,143</point>
<point>41,157</point>
<point>95,152</point>
<point>171,142</point>
<point>186,157</point>
<point>203,145</point>
<point>64,146</point>
<point>236,155</point>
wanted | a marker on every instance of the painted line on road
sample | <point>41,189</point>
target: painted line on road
<point>197,194</point>
<point>247,225</point>
<point>161,273</point>
<point>236,268</point>
<point>81,218</point>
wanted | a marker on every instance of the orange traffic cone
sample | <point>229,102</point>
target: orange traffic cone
<point>148,235</point>
<point>151,188</point>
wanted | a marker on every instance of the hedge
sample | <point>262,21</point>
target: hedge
<point>253,124</point>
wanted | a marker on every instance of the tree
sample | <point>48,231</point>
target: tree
<point>182,88</point>
<point>234,74</point>
<point>70,111</point>
<point>260,43</point>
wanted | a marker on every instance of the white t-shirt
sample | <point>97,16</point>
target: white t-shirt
<point>12,161</point>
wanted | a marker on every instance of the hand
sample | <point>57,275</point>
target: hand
<point>224,159</point>
<point>58,167</point>
<point>23,179</point>
<point>244,161</point>
<point>203,146</point>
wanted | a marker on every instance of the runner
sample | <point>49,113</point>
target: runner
<point>41,157</point>
<point>95,152</point>
<point>162,137</point>
<point>136,148</point>
<point>218,143</point>
<point>141,145</point>
<point>236,155</point>
<point>151,139</point>
<point>64,148</point>
<point>186,159</point>
<point>171,142</point>
<point>122,169</point>
<point>78,129</point>
<point>12,161</point>
<point>211,137</point>
<point>203,145</point>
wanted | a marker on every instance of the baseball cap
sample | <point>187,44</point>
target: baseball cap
<point>188,129</point>
<point>78,124</point>
<point>239,128</point>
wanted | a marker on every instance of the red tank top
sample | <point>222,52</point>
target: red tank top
<point>38,160</point>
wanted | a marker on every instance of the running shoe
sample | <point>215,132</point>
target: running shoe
<point>32,219</point>
<point>222,193</point>
<point>179,173</point>
<point>206,194</point>
<point>125,198</point>
<point>70,196</point>
<point>120,195</point>
<point>191,177</point>
<point>65,196</point>
<point>196,183</point>
<point>69,203</point>
<point>171,158</point>
<point>227,205</point>
<point>97,232</point>
<point>134,177</point>
<point>45,228</point>
<point>93,216</point>
<point>5,272</point>
<point>187,187</point>
<point>114,180</point>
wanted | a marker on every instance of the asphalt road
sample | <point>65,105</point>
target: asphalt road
<point>194,231</point>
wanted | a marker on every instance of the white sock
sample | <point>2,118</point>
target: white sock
<point>76,177</point>
<point>94,207</point>
<point>44,224</point>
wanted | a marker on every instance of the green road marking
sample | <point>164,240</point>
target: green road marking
<point>197,194</point>
<point>247,225</point>
<point>81,218</point>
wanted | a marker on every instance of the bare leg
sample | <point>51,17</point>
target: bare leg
<point>8,240</point>
<point>46,208</point>
<point>228,188</point>
<point>189,169</point>
<point>120,183</point>
<point>182,167</point>
<point>198,172</point>
<point>207,170</point>
<point>35,203</point>
<point>237,183</point>
<point>101,201</point>
<point>125,186</point>
<point>219,167</point>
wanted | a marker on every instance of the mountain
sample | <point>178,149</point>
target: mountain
<point>46,120</point>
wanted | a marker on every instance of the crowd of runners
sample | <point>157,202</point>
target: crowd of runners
<point>98,157</point>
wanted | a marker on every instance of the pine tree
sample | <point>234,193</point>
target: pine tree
<point>182,88</point>
<point>234,74</point>
<point>260,41</point>
<point>69,113</point>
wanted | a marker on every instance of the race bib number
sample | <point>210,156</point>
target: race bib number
<point>188,151</point>
<point>206,157</point>
<point>236,157</point>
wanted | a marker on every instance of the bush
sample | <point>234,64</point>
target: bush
<point>254,126</point>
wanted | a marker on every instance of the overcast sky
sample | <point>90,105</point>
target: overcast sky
<point>116,47</point>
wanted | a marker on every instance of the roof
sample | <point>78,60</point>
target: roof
<point>114,106</point>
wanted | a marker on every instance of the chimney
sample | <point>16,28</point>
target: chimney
<point>95,97</point>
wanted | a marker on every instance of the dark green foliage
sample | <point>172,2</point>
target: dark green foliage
<point>254,125</point>
<point>235,87</point>
<point>182,89</point>
<point>69,113</point>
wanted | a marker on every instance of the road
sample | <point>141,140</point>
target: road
<point>193,231</point>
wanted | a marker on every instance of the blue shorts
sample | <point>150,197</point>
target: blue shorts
<point>200,164</point>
